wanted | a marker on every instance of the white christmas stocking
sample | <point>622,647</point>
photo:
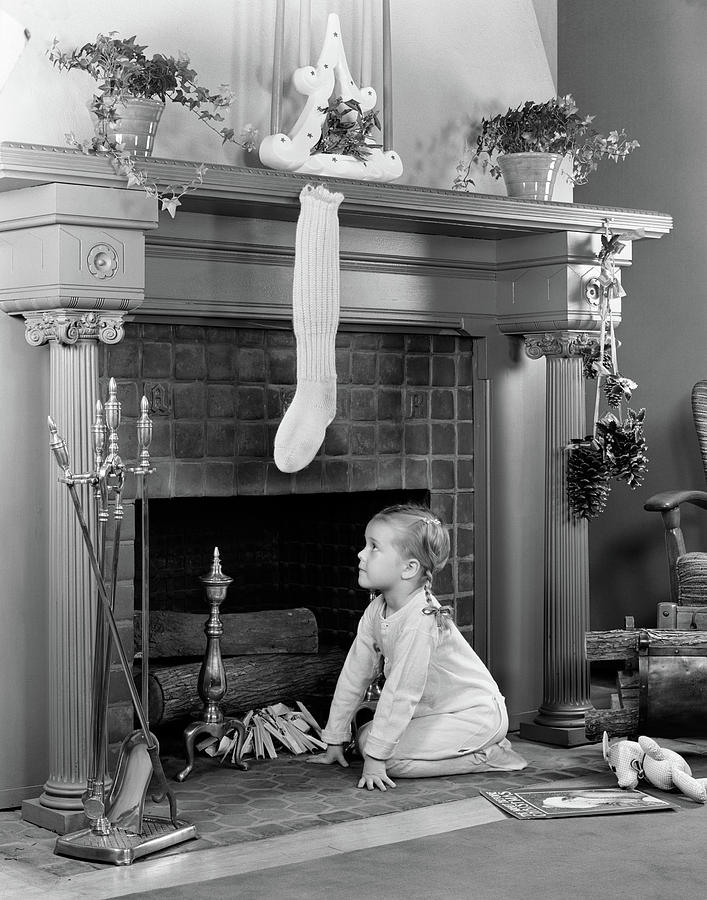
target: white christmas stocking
<point>315,315</point>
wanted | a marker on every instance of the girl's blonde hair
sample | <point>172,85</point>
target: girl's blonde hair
<point>421,535</point>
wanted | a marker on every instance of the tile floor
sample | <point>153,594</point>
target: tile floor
<point>286,795</point>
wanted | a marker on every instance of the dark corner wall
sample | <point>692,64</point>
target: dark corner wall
<point>641,65</point>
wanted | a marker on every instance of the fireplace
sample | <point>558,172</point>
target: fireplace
<point>282,551</point>
<point>429,265</point>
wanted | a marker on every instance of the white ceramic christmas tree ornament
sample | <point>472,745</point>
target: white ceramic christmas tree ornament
<point>330,77</point>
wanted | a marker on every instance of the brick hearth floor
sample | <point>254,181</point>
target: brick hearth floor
<point>278,796</point>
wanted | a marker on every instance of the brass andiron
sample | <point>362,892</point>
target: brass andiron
<point>212,683</point>
<point>118,831</point>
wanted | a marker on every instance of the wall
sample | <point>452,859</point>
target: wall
<point>24,467</point>
<point>481,57</point>
<point>640,65</point>
<point>546,14</point>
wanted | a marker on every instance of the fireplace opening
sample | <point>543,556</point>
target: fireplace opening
<point>282,552</point>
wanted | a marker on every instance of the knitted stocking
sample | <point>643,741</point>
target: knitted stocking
<point>315,314</point>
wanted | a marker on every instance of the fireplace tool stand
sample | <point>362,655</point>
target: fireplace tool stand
<point>118,831</point>
<point>212,683</point>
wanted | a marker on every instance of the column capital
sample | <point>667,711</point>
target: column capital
<point>562,344</point>
<point>70,326</point>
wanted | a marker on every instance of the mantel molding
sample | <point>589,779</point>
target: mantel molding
<point>410,256</point>
<point>264,193</point>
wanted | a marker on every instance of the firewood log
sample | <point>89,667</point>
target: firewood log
<point>253,681</point>
<point>176,634</point>
<point>618,644</point>
<point>623,644</point>
<point>629,687</point>
<point>616,722</point>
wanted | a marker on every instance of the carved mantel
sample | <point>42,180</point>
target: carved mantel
<point>80,255</point>
<point>263,193</point>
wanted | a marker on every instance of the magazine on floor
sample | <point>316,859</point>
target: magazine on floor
<point>554,804</point>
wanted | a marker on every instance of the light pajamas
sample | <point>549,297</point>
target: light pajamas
<point>440,711</point>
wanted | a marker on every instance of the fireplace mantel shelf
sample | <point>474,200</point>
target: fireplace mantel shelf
<point>266,194</point>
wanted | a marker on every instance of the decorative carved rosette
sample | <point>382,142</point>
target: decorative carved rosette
<point>69,327</point>
<point>559,343</point>
<point>102,261</point>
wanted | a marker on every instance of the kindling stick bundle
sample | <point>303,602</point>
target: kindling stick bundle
<point>267,727</point>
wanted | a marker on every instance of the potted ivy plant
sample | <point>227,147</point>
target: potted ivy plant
<point>131,93</point>
<point>529,144</point>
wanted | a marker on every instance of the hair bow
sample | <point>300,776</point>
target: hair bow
<point>441,613</point>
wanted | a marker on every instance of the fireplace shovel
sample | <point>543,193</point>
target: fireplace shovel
<point>119,832</point>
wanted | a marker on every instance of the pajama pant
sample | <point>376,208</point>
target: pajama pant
<point>452,744</point>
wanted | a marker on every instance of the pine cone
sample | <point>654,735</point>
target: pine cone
<point>590,359</point>
<point>624,446</point>
<point>617,388</point>
<point>587,480</point>
<point>631,460</point>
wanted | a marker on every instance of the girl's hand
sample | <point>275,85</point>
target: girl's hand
<point>374,775</point>
<point>334,753</point>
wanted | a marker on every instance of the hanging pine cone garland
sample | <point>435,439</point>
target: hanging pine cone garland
<point>616,449</point>
<point>587,479</point>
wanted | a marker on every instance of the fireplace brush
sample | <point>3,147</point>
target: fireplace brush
<point>116,830</point>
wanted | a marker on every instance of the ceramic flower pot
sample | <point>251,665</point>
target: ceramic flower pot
<point>536,176</point>
<point>137,124</point>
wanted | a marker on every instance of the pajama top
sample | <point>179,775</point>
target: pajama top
<point>429,671</point>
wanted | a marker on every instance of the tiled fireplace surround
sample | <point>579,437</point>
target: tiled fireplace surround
<point>462,318</point>
<point>404,427</point>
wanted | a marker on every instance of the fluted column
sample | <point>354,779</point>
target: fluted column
<point>560,718</point>
<point>74,340</point>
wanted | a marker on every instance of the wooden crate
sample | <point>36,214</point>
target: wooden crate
<point>662,687</point>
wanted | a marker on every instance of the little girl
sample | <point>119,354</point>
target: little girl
<point>440,712</point>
